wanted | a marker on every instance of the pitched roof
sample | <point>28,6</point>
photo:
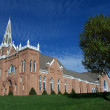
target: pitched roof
<point>94,76</point>
<point>88,76</point>
<point>43,60</point>
<point>78,75</point>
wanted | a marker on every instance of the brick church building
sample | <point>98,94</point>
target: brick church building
<point>23,68</point>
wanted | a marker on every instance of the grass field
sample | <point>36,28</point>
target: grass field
<point>52,102</point>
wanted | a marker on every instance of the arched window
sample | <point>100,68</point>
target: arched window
<point>58,85</point>
<point>11,68</point>
<point>20,78</point>
<point>30,65</point>
<point>23,86</point>
<point>51,84</point>
<point>40,83</point>
<point>44,83</point>
<point>65,86</point>
<point>14,70</point>
<point>92,90</point>
<point>24,66</point>
<point>105,85</point>
<point>34,66</point>
<point>21,66</point>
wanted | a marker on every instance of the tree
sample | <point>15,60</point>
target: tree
<point>10,93</point>
<point>32,92</point>
<point>44,92</point>
<point>95,44</point>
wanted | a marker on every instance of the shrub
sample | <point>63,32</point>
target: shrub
<point>59,92</point>
<point>65,93</point>
<point>52,92</point>
<point>10,93</point>
<point>44,92</point>
<point>32,92</point>
<point>73,92</point>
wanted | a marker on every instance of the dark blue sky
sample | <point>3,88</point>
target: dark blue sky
<point>55,24</point>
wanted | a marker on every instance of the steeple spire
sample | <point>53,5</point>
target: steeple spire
<point>7,37</point>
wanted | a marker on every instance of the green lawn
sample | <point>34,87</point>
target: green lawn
<point>52,102</point>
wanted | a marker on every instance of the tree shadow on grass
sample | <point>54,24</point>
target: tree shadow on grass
<point>104,95</point>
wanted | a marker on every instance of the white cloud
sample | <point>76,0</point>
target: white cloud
<point>72,62</point>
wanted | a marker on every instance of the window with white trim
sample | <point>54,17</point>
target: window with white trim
<point>51,84</point>
<point>40,83</point>
<point>11,68</point>
<point>105,85</point>
<point>59,85</point>
<point>14,70</point>
<point>44,83</point>
<point>65,86</point>
<point>23,86</point>
<point>21,66</point>
<point>20,78</point>
<point>24,66</point>
<point>34,66</point>
<point>30,65</point>
<point>92,90</point>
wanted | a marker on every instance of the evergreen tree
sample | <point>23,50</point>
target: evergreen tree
<point>32,92</point>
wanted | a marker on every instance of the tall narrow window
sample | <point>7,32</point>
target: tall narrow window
<point>44,83</point>
<point>65,86</point>
<point>105,85</point>
<point>34,66</point>
<point>23,86</point>
<point>21,66</point>
<point>24,66</point>
<point>31,66</point>
<point>14,70</point>
<point>20,78</point>
<point>11,68</point>
<point>51,84</point>
<point>40,83</point>
<point>92,90</point>
<point>58,85</point>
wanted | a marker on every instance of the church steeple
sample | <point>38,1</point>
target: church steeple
<point>7,37</point>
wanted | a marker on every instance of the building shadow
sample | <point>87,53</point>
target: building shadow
<point>104,95</point>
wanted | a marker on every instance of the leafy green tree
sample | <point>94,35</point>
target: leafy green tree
<point>95,44</point>
<point>32,92</point>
